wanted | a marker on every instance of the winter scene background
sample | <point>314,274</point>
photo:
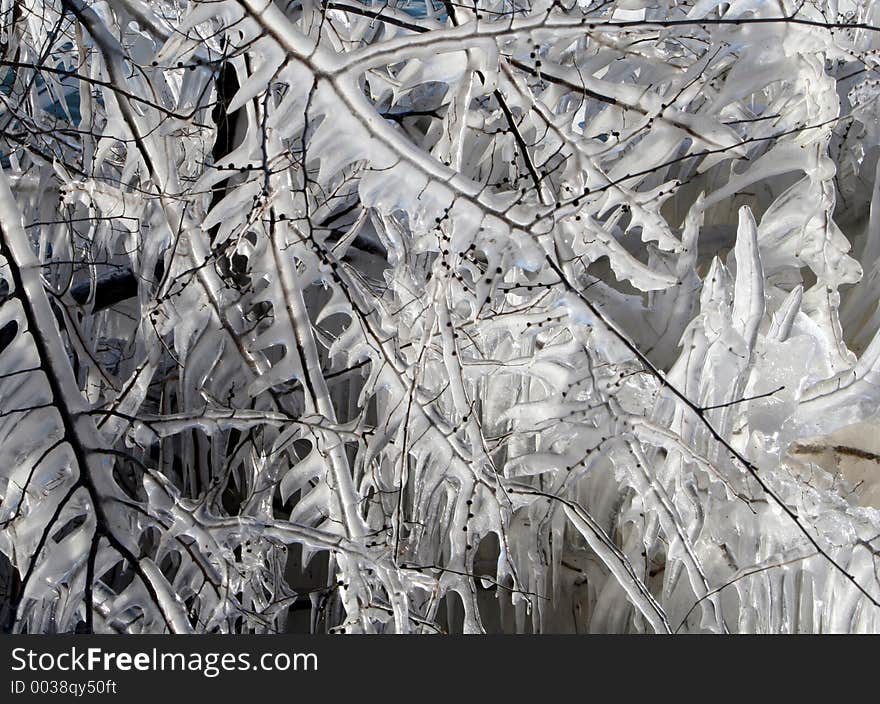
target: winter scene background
<point>492,316</point>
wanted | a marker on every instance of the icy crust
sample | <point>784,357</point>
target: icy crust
<point>545,322</point>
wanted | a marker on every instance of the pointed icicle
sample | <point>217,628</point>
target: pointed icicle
<point>748,296</point>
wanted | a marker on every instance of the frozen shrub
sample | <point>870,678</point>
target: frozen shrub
<point>504,316</point>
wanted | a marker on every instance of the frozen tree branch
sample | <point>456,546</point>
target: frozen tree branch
<point>429,317</point>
